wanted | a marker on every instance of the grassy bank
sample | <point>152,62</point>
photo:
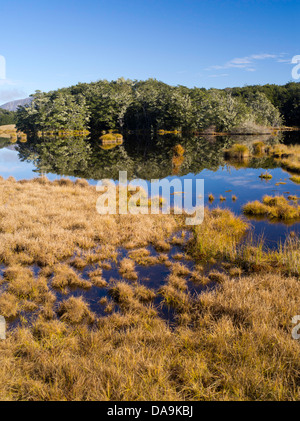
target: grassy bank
<point>231,342</point>
<point>277,207</point>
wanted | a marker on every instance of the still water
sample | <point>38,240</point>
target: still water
<point>150,157</point>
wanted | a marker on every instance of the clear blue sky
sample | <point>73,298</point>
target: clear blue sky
<point>210,43</point>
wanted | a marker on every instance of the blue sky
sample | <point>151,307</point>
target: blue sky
<point>204,43</point>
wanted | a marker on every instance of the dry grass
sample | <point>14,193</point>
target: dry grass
<point>288,156</point>
<point>161,245</point>
<point>237,151</point>
<point>218,277</point>
<point>234,343</point>
<point>127,269</point>
<point>178,256</point>
<point>231,343</point>
<point>65,278</point>
<point>75,311</point>
<point>266,176</point>
<point>179,269</point>
<point>273,207</point>
<point>292,165</point>
<point>294,198</point>
<point>78,262</point>
<point>97,279</point>
<point>34,228</point>
<point>218,236</point>
<point>177,282</point>
<point>142,257</point>
<point>9,305</point>
<point>295,179</point>
<point>258,148</point>
<point>235,272</point>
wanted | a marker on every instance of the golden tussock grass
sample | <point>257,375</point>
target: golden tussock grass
<point>266,175</point>
<point>130,299</point>
<point>142,257</point>
<point>97,278</point>
<point>178,256</point>
<point>40,230</point>
<point>179,269</point>
<point>161,245</point>
<point>237,151</point>
<point>258,148</point>
<point>292,197</point>
<point>218,277</point>
<point>288,156</point>
<point>127,269</point>
<point>177,282</point>
<point>9,305</point>
<point>230,343</point>
<point>178,240</point>
<point>273,207</point>
<point>65,278</point>
<point>218,236</point>
<point>75,310</point>
<point>295,179</point>
<point>233,343</point>
<point>235,272</point>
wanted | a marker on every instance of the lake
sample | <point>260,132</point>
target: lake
<point>149,157</point>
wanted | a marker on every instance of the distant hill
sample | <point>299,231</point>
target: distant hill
<point>13,105</point>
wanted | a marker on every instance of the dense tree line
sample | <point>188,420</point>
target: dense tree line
<point>7,117</point>
<point>285,98</point>
<point>152,105</point>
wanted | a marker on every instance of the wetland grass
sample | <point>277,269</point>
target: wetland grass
<point>230,343</point>
<point>277,207</point>
<point>258,148</point>
<point>237,151</point>
<point>218,235</point>
<point>295,179</point>
<point>266,176</point>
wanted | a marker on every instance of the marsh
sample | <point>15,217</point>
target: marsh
<point>153,308</point>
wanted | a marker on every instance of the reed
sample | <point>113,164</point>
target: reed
<point>237,151</point>
<point>232,342</point>
<point>266,175</point>
<point>273,207</point>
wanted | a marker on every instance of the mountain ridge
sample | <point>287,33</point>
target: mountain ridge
<point>13,105</point>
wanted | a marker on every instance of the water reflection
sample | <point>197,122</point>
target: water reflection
<point>142,156</point>
<point>149,157</point>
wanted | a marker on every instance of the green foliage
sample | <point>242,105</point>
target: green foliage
<point>152,105</point>
<point>53,111</point>
<point>285,98</point>
<point>263,110</point>
<point>7,117</point>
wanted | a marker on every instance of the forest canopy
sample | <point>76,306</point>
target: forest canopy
<point>152,105</point>
<point>7,117</point>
